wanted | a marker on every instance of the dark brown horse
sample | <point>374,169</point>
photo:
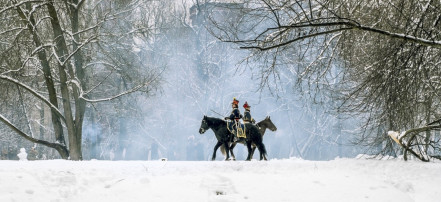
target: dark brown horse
<point>224,136</point>
<point>263,125</point>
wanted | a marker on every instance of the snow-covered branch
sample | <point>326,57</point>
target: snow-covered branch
<point>134,89</point>
<point>408,140</point>
<point>14,6</point>
<point>35,93</point>
<point>398,137</point>
<point>89,40</point>
<point>27,137</point>
<point>347,25</point>
<point>263,48</point>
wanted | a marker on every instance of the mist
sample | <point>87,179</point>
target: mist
<point>200,76</point>
<point>193,74</point>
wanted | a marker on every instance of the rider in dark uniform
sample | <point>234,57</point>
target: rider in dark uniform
<point>235,116</point>
<point>247,114</point>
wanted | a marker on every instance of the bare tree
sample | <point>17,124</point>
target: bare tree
<point>67,45</point>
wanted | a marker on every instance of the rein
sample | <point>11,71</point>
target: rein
<point>217,113</point>
<point>257,124</point>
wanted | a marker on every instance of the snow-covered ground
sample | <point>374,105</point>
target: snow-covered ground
<point>274,180</point>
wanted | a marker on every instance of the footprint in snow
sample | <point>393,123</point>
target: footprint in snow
<point>219,188</point>
<point>112,184</point>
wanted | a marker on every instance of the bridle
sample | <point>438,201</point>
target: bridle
<point>203,129</point>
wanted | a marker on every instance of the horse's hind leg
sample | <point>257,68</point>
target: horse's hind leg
<point>231,150</point>
<point>253,148</point>
<point>215,149</point>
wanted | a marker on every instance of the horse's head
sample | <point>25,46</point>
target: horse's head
<point>204,125</point>
<point>270,124</point>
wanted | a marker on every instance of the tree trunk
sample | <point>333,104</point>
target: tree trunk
<point>41,136</point>
<point>42,57</point>
<point>80,104</point>
<point>61,50</point>
<point>56,122</point>
<point>428,108</point>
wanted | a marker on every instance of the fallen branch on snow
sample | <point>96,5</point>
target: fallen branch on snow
<point>409,142</point>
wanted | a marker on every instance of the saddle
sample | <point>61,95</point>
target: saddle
<point>237,129</point>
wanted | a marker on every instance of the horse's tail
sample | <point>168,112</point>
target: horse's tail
<point>222,148</point>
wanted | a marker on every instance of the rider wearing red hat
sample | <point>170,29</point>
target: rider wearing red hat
<point>235,115</point>
<point>247,114</point>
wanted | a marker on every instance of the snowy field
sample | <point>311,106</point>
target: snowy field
<point>220,181</point>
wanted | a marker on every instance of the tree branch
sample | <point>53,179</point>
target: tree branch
<point>349,26</point>
<point>34,140</point>
<point>35,93</point>
<point>411,134</point>
<point>294,40</point>
<point>116,96</point>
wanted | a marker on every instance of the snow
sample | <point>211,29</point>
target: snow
<point>23,156</point>
<point>395,136</point>
<point>220,181</point>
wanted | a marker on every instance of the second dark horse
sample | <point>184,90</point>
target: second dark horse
<point>224,137</point>
<point>262,125</point>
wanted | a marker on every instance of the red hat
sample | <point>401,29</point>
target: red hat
<point>236,102</point>
<point>246,105</point>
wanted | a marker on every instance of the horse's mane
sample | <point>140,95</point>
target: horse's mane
<point>260,122</point>
<point>265,121</point>
<point>215,121</point>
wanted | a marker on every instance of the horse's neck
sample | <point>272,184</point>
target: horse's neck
<point>262,127</point>
<point>215,124</point>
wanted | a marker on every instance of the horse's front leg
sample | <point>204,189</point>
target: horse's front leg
<point>215,149</point>
<point>249,151</point>
<point>231,150</point>
<point>227,148</point>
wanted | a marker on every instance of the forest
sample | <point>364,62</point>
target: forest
<point>132,79</point>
